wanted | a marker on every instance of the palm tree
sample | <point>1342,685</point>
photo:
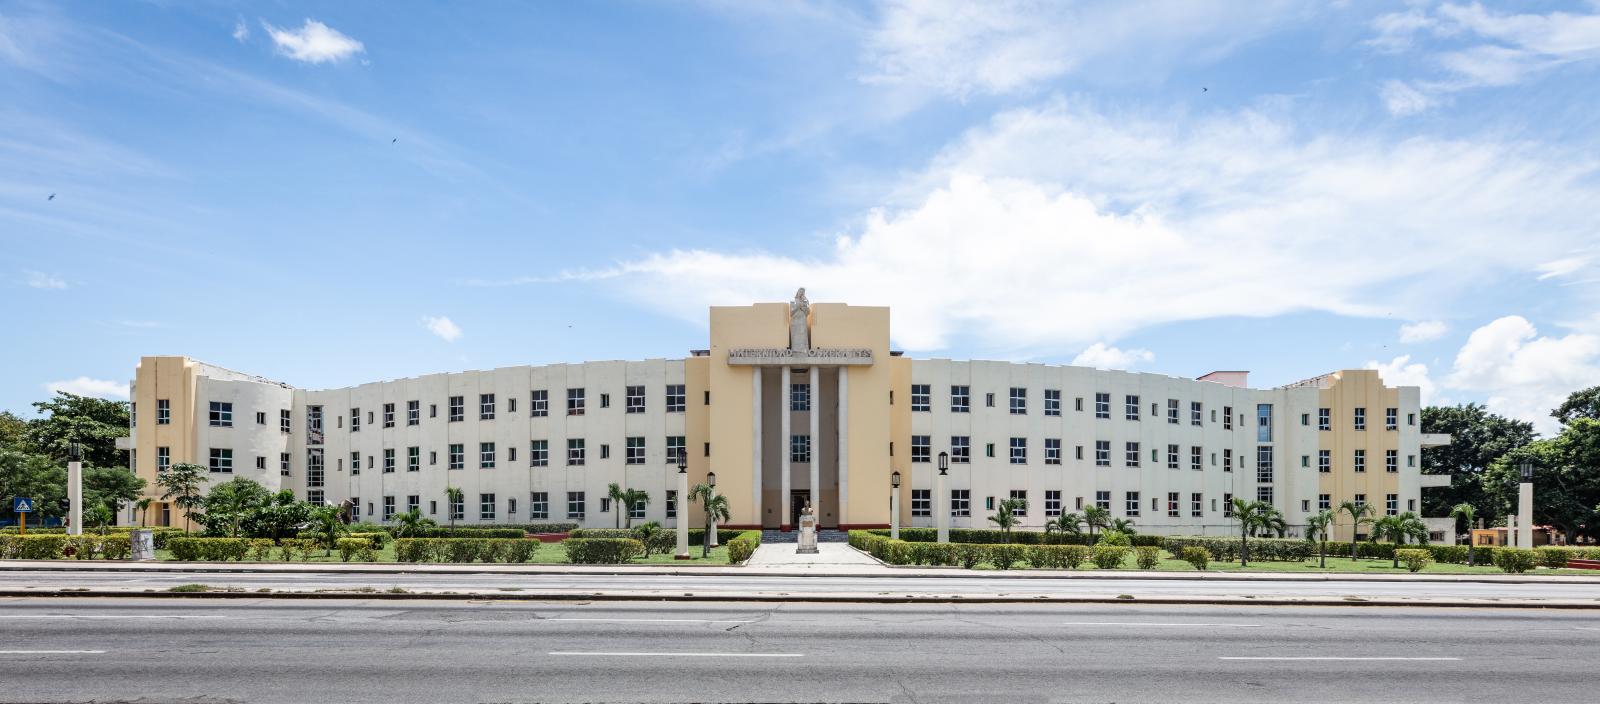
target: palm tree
<point>453,496</point>
<point>1318,528</point>
<point>1465,510</point>
<point>411,524</point>
<point>1250,515</point>
<point>1122,525</point>
<point>645,531</point>
<point>1065,524</point>
<point>1359,513</point>
<point>183,482</point>
<point>716,507</point>
<point>142,507</point>
<point>1005,516</point>
<point>616,494</point>
<point>631,499</point>
<point>1396,529</point>
<point>1274,523</point>
<point>327,526</point>
<point>98,516</point>
<point>1095,517</point>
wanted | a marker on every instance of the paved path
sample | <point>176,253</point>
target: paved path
<point>830,557</point>
<point>357,651</point>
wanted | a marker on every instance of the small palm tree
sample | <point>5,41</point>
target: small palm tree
<point>326,525</point>
<point>1122,525</point>
<point>716,507</point>
<point>1465,510</point>
<point>411,524</point>
<point>1250,515</point>
<point>1065,524</point>
<point>1318,529</point>
<point>453,496</point>
<point>616,494</point>
<point>99,516</point>
<point>1095,517</point>
<point>1005,515</point>
<point>632,499</point>
<point>142,507</point>
<point>1274,524</point>
<point>1397,529</point>
<point>1360,514</point>
<point>646,531</point>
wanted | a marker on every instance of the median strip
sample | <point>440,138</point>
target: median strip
<point>51,652</point>
<point>1331,657</point>
<point>1162,625</point>
<point>685,655</point>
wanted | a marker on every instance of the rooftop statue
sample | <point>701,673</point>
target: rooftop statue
<point>799,329</point>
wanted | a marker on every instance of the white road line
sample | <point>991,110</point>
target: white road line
<point>1133,623</point>
<point>689,655</point>
<point>648,620</point>
<point>100,616</point>
<point>51,652</point>
<point>1358,659</point>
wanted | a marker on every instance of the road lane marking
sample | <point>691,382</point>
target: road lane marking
<point>649,620</point>
<point>1359,659</point>
<point>688,655</point>
<point>1133,623</point>
<point>51,652</point>
<point>101,616</point>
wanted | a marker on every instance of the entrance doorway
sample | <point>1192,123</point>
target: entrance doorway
<point>798,500</point>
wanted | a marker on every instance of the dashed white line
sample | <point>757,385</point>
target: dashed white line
<point>1330,657</point>
<point>103,616</point>
<point>51,652</point>
<point>648,620</point>
<point>685,655</point>
<point>1163,625</point>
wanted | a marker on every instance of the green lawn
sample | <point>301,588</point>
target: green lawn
<point>548,554</point>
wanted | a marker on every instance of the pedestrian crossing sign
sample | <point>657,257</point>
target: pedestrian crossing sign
<point>22,505</point>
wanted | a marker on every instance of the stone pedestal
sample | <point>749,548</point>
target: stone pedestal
<point>808,535</point>
<point>144,544</point>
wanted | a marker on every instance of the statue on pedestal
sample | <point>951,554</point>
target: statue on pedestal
<point>808,531</point>
<point>799,328</point>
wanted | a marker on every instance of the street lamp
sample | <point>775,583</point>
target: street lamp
<point>711,479</point>
<point>941,509</point>
<point>1525,507</point>
<point>894,506</point>
<point>682,510</point>
<point>75,488</point>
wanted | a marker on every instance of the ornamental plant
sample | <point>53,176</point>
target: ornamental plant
<point>1414,559</point>
<point>1197,556</point>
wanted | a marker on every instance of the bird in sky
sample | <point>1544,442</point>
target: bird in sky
<point>52,197</point>
<point>396,139</point>
<point>1204,89</point>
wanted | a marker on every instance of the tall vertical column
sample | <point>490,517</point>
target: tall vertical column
<point>815,391</point>
<point>1525,515</point>
<point>755,444</point>
<point>784,393</point>
<point>75,495</point>
<point>683,516</point>
<point>844,444</point>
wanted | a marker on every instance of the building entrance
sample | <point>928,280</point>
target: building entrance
<point>797,501</point>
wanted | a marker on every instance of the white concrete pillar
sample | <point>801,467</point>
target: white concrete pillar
<point>755,444</point>
<point>684,514</point>
<point>1525,515</point>
<point>75,497</point>
<point>785,394</point>
<point>815,390</point>
<point>894,513</point>
<point>941,507</point>
<point>844,444</point>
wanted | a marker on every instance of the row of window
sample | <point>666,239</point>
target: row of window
<point>961,503</point>
<point>961,402</point>
<point>538,506</point>
<point>634,448</point>
<point>961,453</point>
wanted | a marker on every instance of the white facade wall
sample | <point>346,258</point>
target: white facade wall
<point>247,438</point>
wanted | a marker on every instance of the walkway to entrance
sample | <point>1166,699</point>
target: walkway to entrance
<point>791,537</point>
<point>829,557</point>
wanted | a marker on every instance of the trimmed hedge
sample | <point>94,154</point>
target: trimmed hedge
<point>1414,558</point>
<point>1515,560</point>
<point>1147,557</point>
<point>359,549</point>
<point>158,534</point>
<point>602,551</point>
<point>467,532</point>
<point>742,547</point>
<point>1227,549</point>
<point>462,550</point>
<point>209,549</point>
<point>49,547</point>
<point>969,555</point>
<point>1551,557</point>
<point>1195,555</point>
<point>697,536</point>
<point>1108,557</point>
<point>986,536</point>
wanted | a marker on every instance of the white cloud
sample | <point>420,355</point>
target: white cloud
<point>1102,356</point>
<point>39,279</point>
<point>1058,227</point>
<point>84,386</point>
<point>1400,98</point>
<point>1522,374</point>
<point>1423,331</point>
<point>241,31</point>
<point>313,43</point>
<point>442,326</point>
<point>1564,266</point>
<point>1401,371</point>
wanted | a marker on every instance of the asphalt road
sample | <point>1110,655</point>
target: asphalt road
<point>701,585</point>
<point>147,650</point>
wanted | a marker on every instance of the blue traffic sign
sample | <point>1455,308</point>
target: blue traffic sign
<point>22,505</point>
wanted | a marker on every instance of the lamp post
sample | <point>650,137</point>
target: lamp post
<point>683,512</point>
<point>1525,507</point>
<point>894,506</point>
<point>711,535</point>
<point>75,489</point>
<point>941,509</point>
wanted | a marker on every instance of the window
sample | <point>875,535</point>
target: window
<point>605,400</point>
<point>1360,460</point>
<point>1391,461</point>
<point>261,417</point>
<point>1263,422</point>
<point>1411,419</point>
<point>388,415</point>
<point>988,402</point>
<point>388,508</point>
<point>1227,460</point>
<point>1102,453</point>
<point>1052,503</point>
<point>1022,496</point>
<point>1361,499</point>
<point>413,459</point>
<point>457,409</point>
<point>575,504</point>
<point>1196,458</point>
<point>1019,400</point>
<point>921,503</point>
<point>574,402</point>
<point>485,507</point>
<point>1305,419</point>
<point>1264,463</point>
<point>388,460</point>
<point>799,448</point>
<point>575,452</point>
<point>677,450</point>
<point>355,463</point>
<point>457,456</point>
<point>1172,504</point>
<point>1130,504</point>
<point>636,509</point>
<point>1361,419</point>
<point>961,502</point>
<point>921,448</point>
<point>633,452</point>
<point>413,412</point>
<point>413,503</point>
<point>1019,450</point>
<point>1197,504</point>
<point>1227,505</point>
<point>163,411</point>
<point>221,414</point>
<point>1305,505</point>
<point>538,404</point>
<point>1077,404</point>
<point>1052,402</point>
<point>458,509</point>
<point>921,397</point>
<point>1052,450</point>
<point>1264,493</point>
<point>1391,419</point>
<point>1172,411</point>
<point>433,412</point>
<point>672,503</point>
<point>800,397</point>
<point>355,420</point>
<point>1324,502</point>
<point>1102,499</point>
<point>1391,504</point>
<point>163,459</point>
<point>261,462</point>
<point>1411,460</point>
<point>1172,457</point>
<point>539,505</point>
<point>485,455</point>
<point>960,399</point>
<point>960,449</point>
<point>1130,407</point>
<point>1130,454</point>
<point>634,401</point>
<point>539,453</point>
<point>1324,419</point>
<point>1325,461</point>
<point>676,398</point>
<point>1227,417</point>
<point>1195,414</point>
<point>221,460</point>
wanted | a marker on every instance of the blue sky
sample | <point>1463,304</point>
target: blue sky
<point>328,194</point>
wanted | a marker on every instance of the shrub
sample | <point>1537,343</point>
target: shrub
<point>602,551</point>
<point>116,547</point>
<point>1147,557</point>
<point>1196,555</point>
<point>467,532</point>
<point>1040,557</point>
<point>741,548</point>
<point>1514,560</point>
<point>1375,551</point>
<point>413,549</point>
<point>1114,537</point>
<point>989,536</point>
<point>292,548</point>
<point>1056,556</point>
<point>938,554</point>
<point>1108,557</point>
<point>461,549</point>
<point>969,555</point>
<point>1005,555</point>
<point>1552,557</point>
<point>1415,559</point>
<point>208,549</point>
<point>358,549</point>
<point>519,550</point>
<point>261,550</point>
<point>32,547</point>
<point>1073,556</point>
<point>1227,549</point>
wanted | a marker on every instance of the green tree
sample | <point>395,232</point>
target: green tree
<point>93,423</point>
<point>1477,439</point>
<point>1005,515</point>
<point>1319,527</point>
<point>13,432</point>
<point>1398,529</point>
<point>279,516</point>
<point>1250,515</point>
<point>229,504</point>
<point>182,484</point>
<point>1065,524</point>
<point>111,487</point>
<point>1580,404</point>
<point>1095,517</point>
<point>99,516</point>
<point>1465,512</point>
<point>646,531</point>
<point>716,508</point>
<point>453,496</point>
<point>411,524</point>
<point>325,524</point>
<point>1360,514</point>
<point>625,500</point>
<point>1566,483</point>
<point>36,477</point>
<point>615,493</point>
<point>1123,526</point>
<point>141,510</point>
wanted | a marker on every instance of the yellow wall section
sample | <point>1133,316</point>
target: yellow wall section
<point>173,379</point>
<point>900,430</point>
<point>1351,389</point>
<point>730,423</point>
<point>835,325</point>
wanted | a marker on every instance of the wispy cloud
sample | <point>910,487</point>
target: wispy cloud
<point>241,31</point>
<point>1423,331</point>
<point>1102,356</point>
<point>446,329</point>
<point>39,279</point>
<point>313,43</point>
<point>85,386</point>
